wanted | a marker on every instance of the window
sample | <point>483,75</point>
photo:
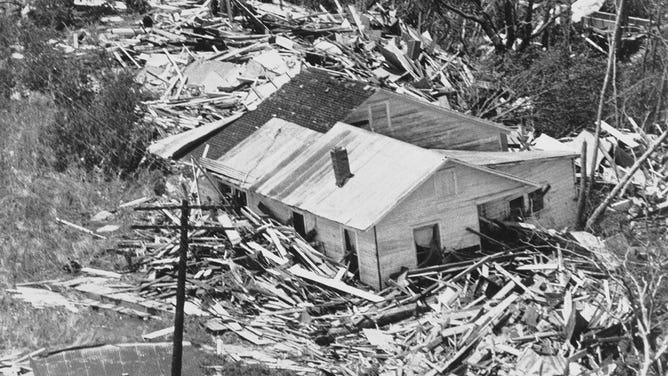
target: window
<point>379,116</point>
<point>350,251</point>
<point>427,244</point>
<point>298,223</point>
<point>517,208</point>
<point>448,182</point>
<point>240,198</point>
<point>349,241</point>
<point>224,188</point>
<point>536,200</point>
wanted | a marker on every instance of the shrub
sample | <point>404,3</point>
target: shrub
<point>103,131</point>
<point>53,13</point>
<point>564,87</point>
<point>138,6</point>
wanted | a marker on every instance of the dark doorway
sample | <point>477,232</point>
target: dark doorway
<point>491,227</point>
<point>298,223</point>
<point>350,248</point>
<point>517,209</point>
<point>427,245</point>
<point>240,199</point>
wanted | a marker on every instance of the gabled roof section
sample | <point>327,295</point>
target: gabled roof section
<point>314,99</point>
<point>292,164</point>
<point>273,145</point>
<point>449,113</point>
<point>385,172</point>
<point>494,158</point>
<point>495,172</point>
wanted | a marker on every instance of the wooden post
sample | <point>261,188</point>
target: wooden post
<point>599,112</point>
<point>177,350</point>
<point>583,187</point>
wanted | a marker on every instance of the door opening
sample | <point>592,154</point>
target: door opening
<point>298,223</point>
<point>427,245</point>
<point>350,254</point>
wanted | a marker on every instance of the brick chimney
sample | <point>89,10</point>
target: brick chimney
<point>341,165</point>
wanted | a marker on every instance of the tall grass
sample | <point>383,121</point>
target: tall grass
<point>33,194</point>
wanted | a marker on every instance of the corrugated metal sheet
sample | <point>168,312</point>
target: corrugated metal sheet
<point>274,144</point>
<point>385,171</point>
<point>491,158</point>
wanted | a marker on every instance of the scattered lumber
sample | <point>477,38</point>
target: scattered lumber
<point>302,311</point>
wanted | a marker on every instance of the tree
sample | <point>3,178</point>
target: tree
<point>507,22</point>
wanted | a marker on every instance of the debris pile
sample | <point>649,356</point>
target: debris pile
<point>204,67</point>
<point>546,305</point>
<point>631,164</point>
<point>543,306</point>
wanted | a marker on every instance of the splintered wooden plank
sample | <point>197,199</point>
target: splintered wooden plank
<point>158,333</point>
<point>337,285</point>
<point>277,242</point>
<point>267,253</point>
<point>101,273</point>
<point>247,334</point>
<point>105,293</point>
<point>80,228</point>
<point>232,235</point>
<point>456,330</point>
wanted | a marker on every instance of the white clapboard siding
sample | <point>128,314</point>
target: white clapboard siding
<point>429,204</point>
<point>561,200</point>
<point>427,125</point>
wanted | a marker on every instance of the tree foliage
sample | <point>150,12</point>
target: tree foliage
<point>562,89</point>
<point>102,131</point>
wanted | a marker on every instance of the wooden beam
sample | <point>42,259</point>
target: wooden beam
<point>337,285</point>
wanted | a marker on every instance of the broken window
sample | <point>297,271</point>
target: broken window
<point>298,223</point>
<point>379,116</point>
<point>240,198</point>
<point>517,208</point>
<point>427,244</point>
<point>224,188</point>
<point>349,241</point>
<point>536,201</point>
<point>350,247</point>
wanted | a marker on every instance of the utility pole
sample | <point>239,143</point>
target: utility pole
<point>177,349</point>
<point>183,227</point>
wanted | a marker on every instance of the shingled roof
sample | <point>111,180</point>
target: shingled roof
<point>300,101</point>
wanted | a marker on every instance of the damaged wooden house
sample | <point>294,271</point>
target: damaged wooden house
<point>317,99</point>
<point>380,178</point>
<point>381,203</point>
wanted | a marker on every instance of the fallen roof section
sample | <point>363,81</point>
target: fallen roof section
<point>315,99</point>
<point>172,146</point>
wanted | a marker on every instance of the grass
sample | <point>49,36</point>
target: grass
<point>33,195</point>
<point>34,246</point>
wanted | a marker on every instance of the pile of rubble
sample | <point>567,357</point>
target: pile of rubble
<point>630,166</point>
<point>544,306</point>
<point>204,66</point>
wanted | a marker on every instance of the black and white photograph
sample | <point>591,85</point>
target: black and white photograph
<point>334,187</point>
